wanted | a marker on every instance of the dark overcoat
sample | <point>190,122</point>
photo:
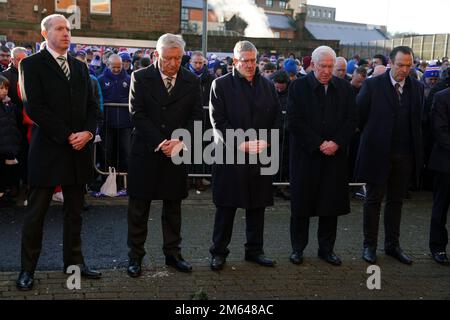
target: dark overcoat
<point>155,115</point>
<point>376,110</point>
<point>440,123</point>
<point>232,106</point>
<point>58,108</point>
<point>319,183</point>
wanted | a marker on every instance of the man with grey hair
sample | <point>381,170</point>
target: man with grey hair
<point>340,69</point>
<point>242,100</point>
<point>57,95</point>
<point>321,121</point>
<point>164,97</point>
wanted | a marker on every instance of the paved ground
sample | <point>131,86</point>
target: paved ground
<point>104,236</point>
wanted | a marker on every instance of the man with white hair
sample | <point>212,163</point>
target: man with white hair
<point>340,69</point>
<point>242,100</point>
<point>57,95</point>
<point>164,97</point>
<point>321,121</point>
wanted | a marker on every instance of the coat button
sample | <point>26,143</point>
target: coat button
<point>164,108</point>
<point>163,126</point>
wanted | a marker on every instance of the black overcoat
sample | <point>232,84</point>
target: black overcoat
<point>58,108</point>
<point>319,183</point>
<point>376,110</point>
<point>155,115</point>
<point>234,107</point>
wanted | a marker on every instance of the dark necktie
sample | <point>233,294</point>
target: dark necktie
<point>399,93</point>
<point>62,62</point>
<point>169,85</point>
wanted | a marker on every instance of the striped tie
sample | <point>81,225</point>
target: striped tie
<point>65,68</point>
<point>169,85</point>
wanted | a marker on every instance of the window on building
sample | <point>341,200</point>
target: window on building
<point>102,7</point>
<point>329,15</point>
<point>62,5</point>
<point>314,12</point>
<point>324,14</point>
<point>3,1</point>
<point>184,14</point>
<point>276,34</point>
<point>269,3</point>
<point>194,27</point>
<point>282,4</point>
<point>184,26</point>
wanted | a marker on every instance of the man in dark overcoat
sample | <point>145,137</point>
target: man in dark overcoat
<point>390,151</point>
<point>440,164</point>
<point>242,100</point>
<point>57,95</point>
<point>321,122</point>
<point>164,97</point>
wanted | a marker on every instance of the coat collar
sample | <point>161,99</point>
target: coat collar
<point>181,88</point>
<point>314,83</point>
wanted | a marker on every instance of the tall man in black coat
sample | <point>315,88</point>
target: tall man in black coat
<point>390,151</point>
<point>164,97</point>
<point>321,121</point>
<point>440,163</point>
<point>57,95</point>
<point>242,100</point>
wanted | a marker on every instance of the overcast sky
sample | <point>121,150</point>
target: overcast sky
<point>419,16</point>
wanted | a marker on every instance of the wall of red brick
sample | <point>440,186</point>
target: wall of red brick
<point>138,19</point>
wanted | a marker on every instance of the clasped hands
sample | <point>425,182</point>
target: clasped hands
<point>170,148</point>
<point>254,147</point>
<point>79,140</point>
<point>329,148</point>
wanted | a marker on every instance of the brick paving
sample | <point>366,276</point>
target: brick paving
<point>104,235</point>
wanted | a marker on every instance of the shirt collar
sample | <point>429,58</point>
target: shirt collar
<point>164,77</point>
<point>55,54</point>
<point>394,82</point>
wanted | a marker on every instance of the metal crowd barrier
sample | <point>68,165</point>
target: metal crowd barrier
<point>204,171</point>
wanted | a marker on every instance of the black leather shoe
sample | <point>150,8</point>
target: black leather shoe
<point>217,263</point>
<point>398,254</point>
<point>330,258</point>
<point>25,281</point>
<point>134,269</point>
<point>441,258</point>
<point>178,263</point>
<point>370,255</point>
<point>260,259</point>
<point>87,272</point>
<point>296,257</point>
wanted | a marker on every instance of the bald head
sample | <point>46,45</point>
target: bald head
<point>379,70</point>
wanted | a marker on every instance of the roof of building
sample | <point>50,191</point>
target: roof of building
<point>279,21</point>
<point>196,4</point>
<point>345,32</point>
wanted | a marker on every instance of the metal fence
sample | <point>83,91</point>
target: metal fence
<point>428,47</point>
<point>202,170</point>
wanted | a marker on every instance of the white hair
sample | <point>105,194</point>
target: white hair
<point>341,59</point>
<point>243,46</point>
<point>169,41</point>
<point>323,51</point>
<point>17,50</point>
<point>46,23</point>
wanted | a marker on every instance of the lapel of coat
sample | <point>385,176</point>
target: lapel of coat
<point>156,86</point>
<point>390,93</point>
<point>51,62</point>
<point>74,70</point>
<point>415,112</point>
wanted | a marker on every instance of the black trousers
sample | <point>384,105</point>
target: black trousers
<point>138,213</point>
<point>38,203</point>
<point>326,233</point>
<point>223,229</point>
<point>441,203</point>
<point>400,171</point>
